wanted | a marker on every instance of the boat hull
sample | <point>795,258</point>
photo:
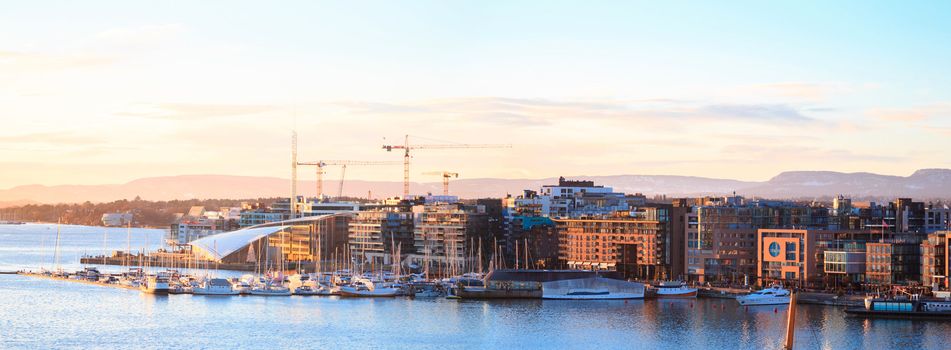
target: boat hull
<point>612,296</point>
<point>215,292</point>
<point>763,301</point>
<point>862,312</point>
<point>480,293</point>
<point>270,293</point>
<point>684,295</point>
<point>346,292</point>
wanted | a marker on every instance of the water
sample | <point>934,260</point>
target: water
<point>40,313</point>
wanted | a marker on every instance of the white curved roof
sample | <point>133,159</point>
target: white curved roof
<point>216,247</point>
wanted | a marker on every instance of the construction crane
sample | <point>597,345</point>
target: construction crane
<point>445,179</point>
<point>406,147</point>
<point>320,164</point>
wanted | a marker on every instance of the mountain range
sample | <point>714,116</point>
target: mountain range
<point>923,184</point>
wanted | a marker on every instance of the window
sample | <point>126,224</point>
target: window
<point>790,251</point>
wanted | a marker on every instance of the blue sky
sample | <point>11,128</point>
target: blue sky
<point>111,91</point>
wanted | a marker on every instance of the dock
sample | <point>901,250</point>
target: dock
<point>81,281</point>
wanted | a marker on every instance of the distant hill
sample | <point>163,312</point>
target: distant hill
<point>923,184</point>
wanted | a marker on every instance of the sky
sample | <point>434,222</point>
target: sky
<point>99,92</point>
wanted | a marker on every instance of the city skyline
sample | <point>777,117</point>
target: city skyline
<point>108,92</point>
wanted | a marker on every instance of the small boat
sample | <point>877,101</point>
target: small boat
<point>675,289</point>
<point>156,284</point>
<point>427,290</point>
<point>269,289</point>
<point>913,308</point>
<point>362,287</point>
<point>91,274</point>
<point>774,295</point>
<point>308,290</point>
<point>214,286</point>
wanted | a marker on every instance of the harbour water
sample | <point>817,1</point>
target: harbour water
<point>41,314</point>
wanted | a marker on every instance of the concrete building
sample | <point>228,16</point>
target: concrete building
<point>937,218</point>
<point>537,238</point>
<point>723,246</point>
<point>893,262</point>
<point>377,233</point>
<point>934,260</point>
<point>198,223</point>
<point>447,236</point>
<point>789,256</point>
<point>641,242</point>
<point>844,264</point>
<point>258,214</point>
<point>116,219</point>
<point>571,198</point>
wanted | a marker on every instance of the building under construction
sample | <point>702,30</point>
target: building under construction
<point>381,234</point>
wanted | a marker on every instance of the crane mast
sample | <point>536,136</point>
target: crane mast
<point>321,164</point>
<point>406,147</point>
<point>445,179</point>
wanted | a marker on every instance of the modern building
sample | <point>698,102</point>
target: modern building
<point>448,237</point>
<point>789,256</point>
<point>893,262</point>
<point>258,214</point>
<point>535,239</point>
<point>934,260</point>
<point>844,264</point>
<point>280,245</point>
<point>723,247</point>
<point>377,234</point>
<point>116,219</point>
<point>641,242</point>
<point>199,223</point>
<point>571,198</point>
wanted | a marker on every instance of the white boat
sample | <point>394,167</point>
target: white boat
<point>270,289</point>
<point>156,284</point>
<point>427,290</point>
<point>675,290</point>
<point>774,295</point>
<point>214,286</point>
<point>592,294</point>
<point>592,288</point>
<point>362,287</point>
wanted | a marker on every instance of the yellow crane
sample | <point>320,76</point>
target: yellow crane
<point>407,147</point>
<point>321,164</point>
<point>445,179</point>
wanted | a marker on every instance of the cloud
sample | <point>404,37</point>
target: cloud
<point>193,111</point>
<point>520,112</point>
<point>791,153</point>
<point>29,62</point>
<point>912,114</point>
<point>757,112</point>
<point>53,138</point>
<point>136,36</point>
<point>798,90</point>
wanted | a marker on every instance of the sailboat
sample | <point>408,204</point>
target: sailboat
<point>364,287</point>
<point>268,286</point>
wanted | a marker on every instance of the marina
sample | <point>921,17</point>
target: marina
<point>432,321</point>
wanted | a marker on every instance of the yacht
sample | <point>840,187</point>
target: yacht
<point>214,286</point>
<point>675,290</point>
<point>268,288</point>
<point>156,284</point>
<point>362,287</point>
<point>774,295</point>
<point>427,290</point>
